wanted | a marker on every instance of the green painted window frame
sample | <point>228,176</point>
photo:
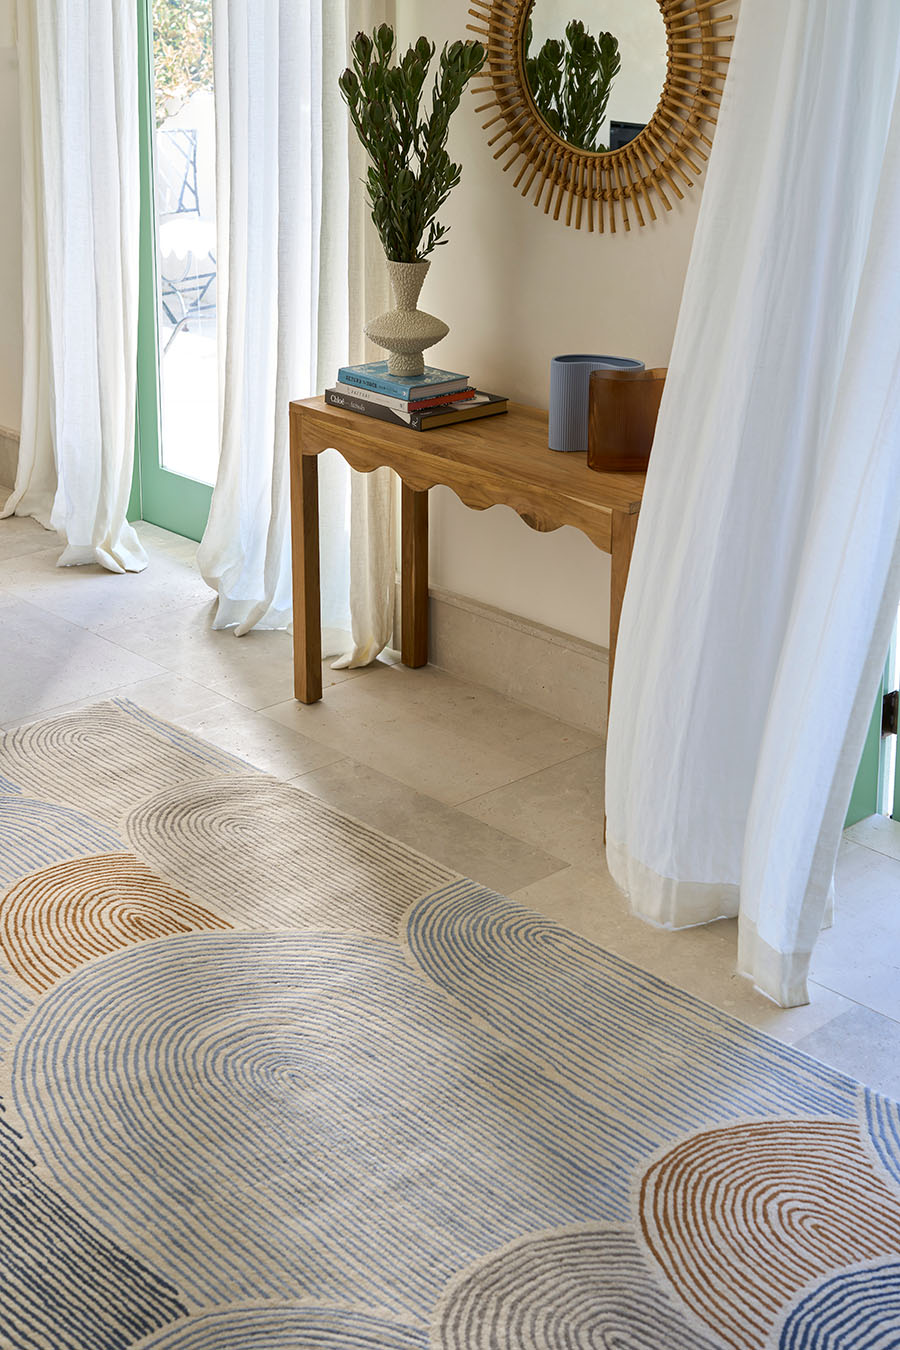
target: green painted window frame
<point>869,789</point>
<point>167,499</point>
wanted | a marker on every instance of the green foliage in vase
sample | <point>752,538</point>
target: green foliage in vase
<point>182,52</point>
<point>570,82</point>
<point>410,174</point>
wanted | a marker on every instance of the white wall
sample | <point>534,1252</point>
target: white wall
<point>517,288</point>
<point>10,246</point>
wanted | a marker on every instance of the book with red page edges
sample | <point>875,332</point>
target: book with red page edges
<point>403,405</point>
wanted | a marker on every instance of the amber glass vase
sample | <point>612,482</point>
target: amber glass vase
<point>622,411</point>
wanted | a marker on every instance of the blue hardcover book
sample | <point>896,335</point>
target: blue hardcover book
<point>374,375</point>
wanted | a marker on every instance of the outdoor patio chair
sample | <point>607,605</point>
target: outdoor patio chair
<point>186,239</point>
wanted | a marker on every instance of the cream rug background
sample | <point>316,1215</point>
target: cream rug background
<point>271,1079</point>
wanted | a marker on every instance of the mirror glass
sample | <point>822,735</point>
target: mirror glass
<point>595,68</point>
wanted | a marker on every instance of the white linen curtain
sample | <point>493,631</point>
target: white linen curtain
<point>766,572</point>
<point>294,274</point>
<point>81,204</point>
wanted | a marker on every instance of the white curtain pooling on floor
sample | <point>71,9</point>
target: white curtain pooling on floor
<point>292,267</point>
<point>81,215</point>
<point>766,572</point>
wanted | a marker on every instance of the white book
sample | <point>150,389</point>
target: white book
<point>386,400</point>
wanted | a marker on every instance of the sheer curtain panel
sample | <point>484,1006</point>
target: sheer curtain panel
<point>293,266</point>
<point>766,572</point>
<point>80,182</point>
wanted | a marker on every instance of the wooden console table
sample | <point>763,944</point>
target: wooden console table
<point>500,460</point>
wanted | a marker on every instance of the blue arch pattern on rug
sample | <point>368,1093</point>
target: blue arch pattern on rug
<point>65,1284</point>
<point>352,1122</point>
<point>36,834</point>
<point>14,1004</point>
<point>605,1026</point>
<point>287,1326</point>
<point>102,746</point>
<point>346,1069</point>
<point>882,1119</point>
<point>856,1308</point>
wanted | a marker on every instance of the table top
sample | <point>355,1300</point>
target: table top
<point>498,460</point>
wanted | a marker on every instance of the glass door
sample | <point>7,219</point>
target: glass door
<point>178,399</point>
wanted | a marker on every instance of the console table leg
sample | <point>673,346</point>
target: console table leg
<point>413,576</point>
<point>305,550</point>
<point>624,526</point>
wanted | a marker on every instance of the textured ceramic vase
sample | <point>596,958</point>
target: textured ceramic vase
<point>406,331</point>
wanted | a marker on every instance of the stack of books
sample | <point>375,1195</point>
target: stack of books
<point>437,398</point>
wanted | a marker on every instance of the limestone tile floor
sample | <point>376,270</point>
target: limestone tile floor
<point>490,787</point>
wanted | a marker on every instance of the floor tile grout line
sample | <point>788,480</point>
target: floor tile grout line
<point>875,859</point>
<point>473,684</point>
<point>498,829</point>
<point>98,632</point>
<point>533,773</point>
<point>494,694</point>
<point>121,691</point>
<point>878,852</point>
<point>850,999</point>
<point>335,691</point>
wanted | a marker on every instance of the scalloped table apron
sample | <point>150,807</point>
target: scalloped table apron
<point>497,461</point>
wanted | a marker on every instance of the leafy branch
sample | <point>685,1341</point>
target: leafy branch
<point>182,52</point>
<point>571,80</point>
<point>410,174</point>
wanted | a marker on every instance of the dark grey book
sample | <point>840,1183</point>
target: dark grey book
<point>482,405</point>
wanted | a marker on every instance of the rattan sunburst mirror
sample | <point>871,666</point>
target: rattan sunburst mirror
<point>592,187</point>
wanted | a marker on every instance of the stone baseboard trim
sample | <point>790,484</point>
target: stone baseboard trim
<point>9,457</point>
<point>541,667</point>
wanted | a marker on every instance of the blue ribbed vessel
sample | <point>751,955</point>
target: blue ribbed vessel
<point>569,384</point>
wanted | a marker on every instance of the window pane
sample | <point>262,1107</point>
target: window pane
<point>186,236</point>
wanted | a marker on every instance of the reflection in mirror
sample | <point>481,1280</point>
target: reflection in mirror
<point>595,68</point>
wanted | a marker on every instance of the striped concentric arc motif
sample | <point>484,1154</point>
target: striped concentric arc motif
<point>742,1219</point>
<point>578,1288</point>
<point>35,834</point>
<point>342,1133</point>
<point>881,1123</point>
<point>65,1285</point>
<point>662,1061</point>
<point>309,867</point>
<point>14,1003</point>
<point>115,754</point>
<point>56,919</point>
<point>856,1308</point>
<point>287,1326</point>
<point>273,1080</point>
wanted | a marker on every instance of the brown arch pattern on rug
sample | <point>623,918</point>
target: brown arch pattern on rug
<point>55,920</point>
<point>741,1219</point>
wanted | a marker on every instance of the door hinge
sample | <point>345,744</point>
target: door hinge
<point>890,714</point>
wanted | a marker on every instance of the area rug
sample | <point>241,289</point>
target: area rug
<point>272,1080</point>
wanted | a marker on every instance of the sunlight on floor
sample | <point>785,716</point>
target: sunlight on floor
<point>489,787</point>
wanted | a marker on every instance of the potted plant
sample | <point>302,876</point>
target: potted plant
<point>410,174</point>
